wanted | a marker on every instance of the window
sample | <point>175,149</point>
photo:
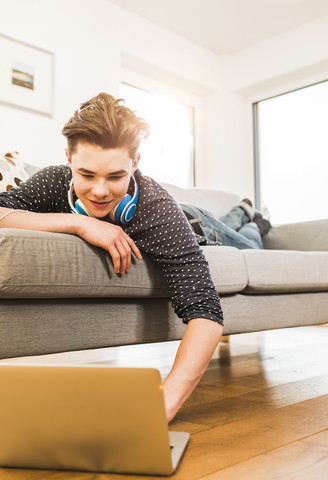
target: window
<point>168,154</point>
<point>292,155</point>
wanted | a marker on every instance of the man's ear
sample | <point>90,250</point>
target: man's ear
<point>135,162</point>
<point>68,157</point>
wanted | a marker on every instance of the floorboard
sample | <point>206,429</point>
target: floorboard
<point>299,460</point>
<point>260,411</point>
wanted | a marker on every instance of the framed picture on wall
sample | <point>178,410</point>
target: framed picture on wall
<point>26,76</point>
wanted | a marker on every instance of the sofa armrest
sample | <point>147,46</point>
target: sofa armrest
<point>305,236</point>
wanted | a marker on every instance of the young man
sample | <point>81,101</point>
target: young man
<point>103,138</point>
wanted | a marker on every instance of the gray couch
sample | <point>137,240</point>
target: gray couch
<point>58,293</point>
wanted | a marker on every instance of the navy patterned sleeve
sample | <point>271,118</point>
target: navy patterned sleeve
<point>43,192</point>
<point>161,230</point>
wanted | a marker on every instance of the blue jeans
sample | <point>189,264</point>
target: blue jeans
<point>234,229</point>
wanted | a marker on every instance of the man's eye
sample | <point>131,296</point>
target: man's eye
<point>85,175</point>
<point>116,178</point>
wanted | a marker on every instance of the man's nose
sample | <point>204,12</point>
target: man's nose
<point>100,189</point>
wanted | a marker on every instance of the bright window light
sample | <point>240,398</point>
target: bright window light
<point>168,154</point>
<point>293,155</point>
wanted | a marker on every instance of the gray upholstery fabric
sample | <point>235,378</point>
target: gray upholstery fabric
<point>255,313</point>
<point>30,168</point>
<point>36,327</point>
<point>228,269</point>
<point>298,236</point>
<point>45,265</point>
<point>275,271</point>
<point>40,326</point>
<point>53,265</point>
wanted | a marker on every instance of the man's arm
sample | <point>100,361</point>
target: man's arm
<point>195,351</point>
<point>101,234</point>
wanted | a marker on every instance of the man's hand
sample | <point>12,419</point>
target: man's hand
<point>195,351</point>
<point>111,238</point>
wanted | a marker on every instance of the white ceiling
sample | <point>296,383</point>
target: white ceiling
<point>226,26</point>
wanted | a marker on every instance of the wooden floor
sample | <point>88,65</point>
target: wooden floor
<point>260,412</point>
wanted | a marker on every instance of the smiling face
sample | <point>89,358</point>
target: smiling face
<point>101,177</point>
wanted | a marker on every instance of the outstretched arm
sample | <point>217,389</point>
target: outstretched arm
<point>195,351</point>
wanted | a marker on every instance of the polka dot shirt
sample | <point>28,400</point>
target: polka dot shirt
<point>159,228</point>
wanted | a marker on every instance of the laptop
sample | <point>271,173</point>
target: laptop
<point>91,418</point>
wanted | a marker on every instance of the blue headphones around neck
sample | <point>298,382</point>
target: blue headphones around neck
<point>122,213</point>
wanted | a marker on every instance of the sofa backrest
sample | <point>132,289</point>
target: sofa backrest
<point>216,202</point>
<point>30,169</point>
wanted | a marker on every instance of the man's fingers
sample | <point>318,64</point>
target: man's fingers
<point>114,240</point>
<point>116,259</point>
<point>125,256</point>
<point>120,249</point>
<point>124,238</point>
<point>134,248</point>
<point>121,255</point>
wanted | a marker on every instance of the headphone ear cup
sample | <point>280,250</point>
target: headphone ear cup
<point>82,209</point>
<point>78,206</point>
<point>79,209</point>
<point>128,212</point>
<point>127,206</point>
<point>120,209</point>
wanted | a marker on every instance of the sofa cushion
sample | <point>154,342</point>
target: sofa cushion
<point>228,269</point>
<point>304,236</point>
<point>278,271</point>
<point>54,265</point>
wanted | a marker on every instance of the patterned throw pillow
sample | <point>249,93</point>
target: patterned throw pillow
<point>12,171</point>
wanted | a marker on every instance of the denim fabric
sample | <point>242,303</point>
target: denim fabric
<point>236,218</point>
<point>234,229</point>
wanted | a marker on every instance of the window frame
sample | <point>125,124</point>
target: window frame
<point>255,125</point>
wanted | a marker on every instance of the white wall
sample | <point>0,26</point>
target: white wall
<point>228,139</point>
<point>94,40</point>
